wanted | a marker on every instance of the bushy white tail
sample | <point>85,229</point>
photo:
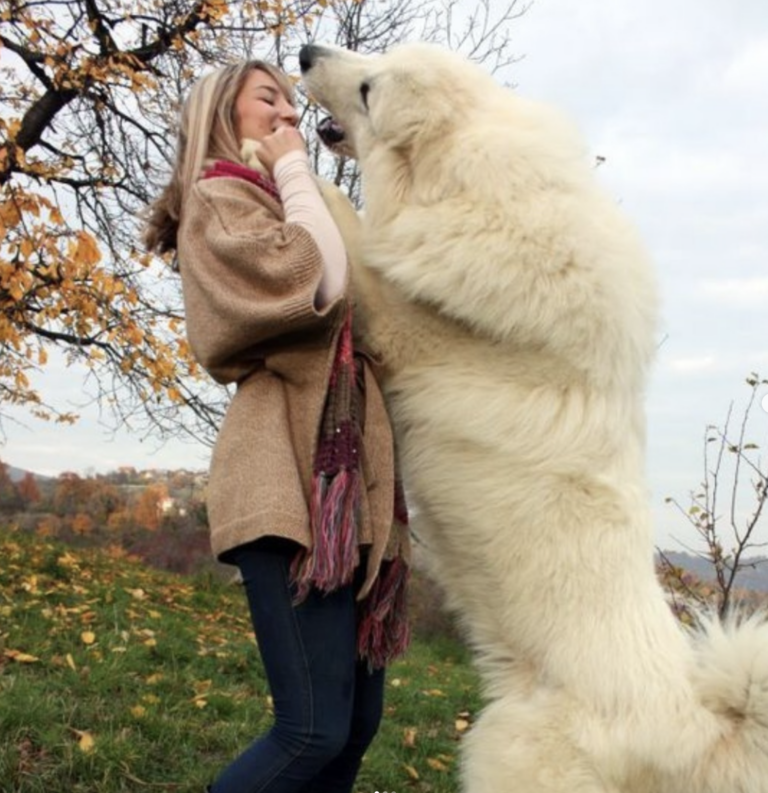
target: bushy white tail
<point>731,676</point>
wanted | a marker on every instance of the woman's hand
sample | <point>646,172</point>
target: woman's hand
<point>282,141</point>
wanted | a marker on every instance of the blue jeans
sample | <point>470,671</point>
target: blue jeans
<point>327,704</point>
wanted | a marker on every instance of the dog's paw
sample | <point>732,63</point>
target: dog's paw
<point>248,155</point>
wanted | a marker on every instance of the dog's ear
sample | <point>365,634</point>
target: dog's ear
<point>403,110</point>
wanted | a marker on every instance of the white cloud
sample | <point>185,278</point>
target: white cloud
<point>747,71</point>
<point>702,363</point>
<point>737,292</point>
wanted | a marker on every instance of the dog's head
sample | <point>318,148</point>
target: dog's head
<point>400,100</point>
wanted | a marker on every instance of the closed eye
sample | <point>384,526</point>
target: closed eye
<point>365,89</point>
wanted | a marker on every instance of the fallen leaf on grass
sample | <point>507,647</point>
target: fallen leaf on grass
<point>66,560</point>
<point>88,637</point>
<point>20,657</point>
<point>85,740</point>
<point>436,765</point>
<point>411,771</point>
<point>409,737</point>
<point>461,725</point>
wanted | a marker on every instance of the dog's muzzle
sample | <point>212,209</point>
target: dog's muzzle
<point>331,133</point>
<point>309,54</point>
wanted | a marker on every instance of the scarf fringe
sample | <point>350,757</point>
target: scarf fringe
<point>383,631</point>
<point>334,511</point>
<point>334,556</point>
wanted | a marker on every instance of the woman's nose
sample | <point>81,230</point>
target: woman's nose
<point>290,114</point>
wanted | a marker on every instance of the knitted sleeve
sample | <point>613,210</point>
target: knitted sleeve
<point>304,205</point>
<point>248,277</point>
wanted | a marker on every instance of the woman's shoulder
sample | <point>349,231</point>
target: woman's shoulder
<point>233,188</point>
<point>230,202</point>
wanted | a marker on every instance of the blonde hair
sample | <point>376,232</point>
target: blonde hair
<point>206,131</point>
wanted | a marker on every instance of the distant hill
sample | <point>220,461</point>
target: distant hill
<point>17,474</point>
<point>754,577</point>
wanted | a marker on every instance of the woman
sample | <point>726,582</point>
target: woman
<point>302,490</point>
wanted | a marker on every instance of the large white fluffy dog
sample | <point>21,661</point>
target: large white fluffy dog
<point>514,311</point>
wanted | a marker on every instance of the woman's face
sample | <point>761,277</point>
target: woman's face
<point>261,107</point>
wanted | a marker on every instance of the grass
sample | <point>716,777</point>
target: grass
<point>115,677</point>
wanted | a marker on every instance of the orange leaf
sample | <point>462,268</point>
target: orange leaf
<point>87,251</point>
<point>436,765</point>
<point>19,657</point>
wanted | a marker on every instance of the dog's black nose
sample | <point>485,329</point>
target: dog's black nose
<point>307,56</point>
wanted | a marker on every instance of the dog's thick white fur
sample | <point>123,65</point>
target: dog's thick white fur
<point>514,311</point>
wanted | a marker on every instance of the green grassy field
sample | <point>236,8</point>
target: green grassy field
<point>115,677</point>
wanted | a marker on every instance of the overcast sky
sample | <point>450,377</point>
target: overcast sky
<point>674,95</point>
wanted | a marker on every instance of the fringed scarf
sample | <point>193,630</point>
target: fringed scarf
<point>336,491</point>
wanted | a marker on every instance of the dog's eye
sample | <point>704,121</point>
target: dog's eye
<point>364,91</point>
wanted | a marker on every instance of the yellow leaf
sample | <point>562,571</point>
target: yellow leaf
<point>409,737</point>
<point>411,771</point>
<point>86,741</point>
<point>436,764</point>
<point>71,662</point>
<point>461,725</point>
<point>138,711</point>
<point>21,658</point>
<point>88,637</point>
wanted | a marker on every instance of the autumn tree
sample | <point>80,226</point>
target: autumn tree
<point>28,490</point>
<point>81,524</point>
<point>148,509</point>
<point>10,501</point>
<point>71,493</point>
<point>90,496</point>
<point>49,526</point>
<point>90,93</point>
